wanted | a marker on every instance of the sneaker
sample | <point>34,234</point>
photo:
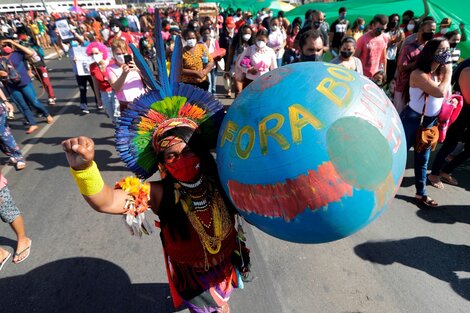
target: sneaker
<point>11,115</point>
<point>100,107</point>
<point>86,111</point>
<point>51,101</point>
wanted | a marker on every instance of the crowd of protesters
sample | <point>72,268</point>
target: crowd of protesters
<point>236,47</point>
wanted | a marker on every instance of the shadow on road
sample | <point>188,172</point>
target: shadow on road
<point>447,214</point>
<point>81,285</point>
<point>436,258</point>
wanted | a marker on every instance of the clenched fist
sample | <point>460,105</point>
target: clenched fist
<point>79,151</point>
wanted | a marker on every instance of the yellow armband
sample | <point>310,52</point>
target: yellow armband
<point>89,180</point>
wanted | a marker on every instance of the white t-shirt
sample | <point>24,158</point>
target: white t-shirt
<point>275,40</point>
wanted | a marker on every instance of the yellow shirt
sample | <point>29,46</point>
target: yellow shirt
<point>193,61</point>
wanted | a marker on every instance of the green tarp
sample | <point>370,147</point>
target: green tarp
<point>457,10</point>
<point>249,5</point>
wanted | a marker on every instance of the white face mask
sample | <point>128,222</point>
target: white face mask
<point>261,44</point>
<point>444,30</point>
<point>191,42</point>
<point>246,37</point>
<point>410,27</point>
<point>97,57</point>
<point>115,29</point>
<point>119,58</point>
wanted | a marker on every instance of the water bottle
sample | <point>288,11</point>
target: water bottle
<point>205,58</point>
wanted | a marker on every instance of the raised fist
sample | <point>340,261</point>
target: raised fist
<point>79,151</point>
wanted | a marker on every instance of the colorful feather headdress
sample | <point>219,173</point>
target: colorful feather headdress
<point>169,103</point>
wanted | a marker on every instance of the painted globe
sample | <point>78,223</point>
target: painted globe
<point>311,152</point>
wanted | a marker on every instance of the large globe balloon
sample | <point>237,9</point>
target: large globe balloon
<point>311,152</point>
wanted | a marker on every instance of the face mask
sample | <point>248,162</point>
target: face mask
<point>191,42</point>
<point>453,45</point>
<point>246,37</point>
<point>342,16</point>
<point>119,58</point>
<point>378,31</point>
<point>7,50</point>
<point>392,24</point>
<point>444,30</point>
<point>231,30</point>
<point>345,54</point>
<point>361,27</point>
<point>97,57</point>
<point>261,44</point>
<point>173,37</point>
<point>316,24</point>
<point>249,21</point>
<point>427,36</point>
<point>185,169</point>
<point>206,37</point>
<point>115,29</point>
<point>311,58</point>
<point>274,28</point>
<point>410,27</point>
<point>442,58</point>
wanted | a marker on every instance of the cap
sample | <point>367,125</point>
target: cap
<point>230,22</point>
<point>445,22</point>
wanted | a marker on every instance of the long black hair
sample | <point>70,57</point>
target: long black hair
<point>425,58</point>
<point>238,40</point>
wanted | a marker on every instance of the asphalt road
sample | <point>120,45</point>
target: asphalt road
<point>408,260</point>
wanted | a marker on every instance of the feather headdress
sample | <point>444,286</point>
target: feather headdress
<point>168,103</point>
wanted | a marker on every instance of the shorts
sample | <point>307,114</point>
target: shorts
<point>8,209</point>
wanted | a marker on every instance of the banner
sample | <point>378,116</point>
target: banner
<point>64,29</point>
<point>82,60</point>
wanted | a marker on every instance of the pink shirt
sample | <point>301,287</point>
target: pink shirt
<point>263,60</point>
<point>132,87</point>
<point>372,51</point>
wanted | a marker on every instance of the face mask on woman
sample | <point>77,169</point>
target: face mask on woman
<point>361,27</point>
<point>274,28</point>
<point>346,54</point>
<point>7,50</point>
<point>442,58</point>
<point>261,44</point>
<point>115,29</point>
<point>191,42</point>
<point>98,57</point>
<point>246,37</point>
<point>119,58</point>
<point>410,27</point>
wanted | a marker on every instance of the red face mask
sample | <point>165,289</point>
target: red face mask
<point>185,169</point>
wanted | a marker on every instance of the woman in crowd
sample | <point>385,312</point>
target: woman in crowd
<point>124,76</point>
<point>395,37</point>
<point>454,37</point>
<point>429,83</point>
<point>258,59</point>
<point>197,62</point>
<point>7,141</point>
<point>291,54</point>
<point>357,29</point>
<point>212,44</point>
<point>107,99</point>
<point>346,56</point>
<point>22,89</point>
<point>277,39</point>
<point>459,131</point>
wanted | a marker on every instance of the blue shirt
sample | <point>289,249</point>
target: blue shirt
<point>18,61</point>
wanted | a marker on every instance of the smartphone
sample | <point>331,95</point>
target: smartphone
<point>127,58</point>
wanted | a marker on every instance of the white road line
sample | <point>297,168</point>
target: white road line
<point>42,131</point>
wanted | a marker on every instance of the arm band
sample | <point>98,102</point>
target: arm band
<point>89,180</point>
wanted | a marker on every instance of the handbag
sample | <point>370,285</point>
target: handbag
<point>451,108</point>
<point>426,138</point>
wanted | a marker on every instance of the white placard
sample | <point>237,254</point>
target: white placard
<point>64,29</point>
<point>82,60</point>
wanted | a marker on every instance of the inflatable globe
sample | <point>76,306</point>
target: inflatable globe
<point>311,152</point>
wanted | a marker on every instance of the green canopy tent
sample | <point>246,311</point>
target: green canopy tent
<point>457,10</point>
<point>254,5</point>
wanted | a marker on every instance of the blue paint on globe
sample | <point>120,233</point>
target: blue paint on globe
<point>311,152</point>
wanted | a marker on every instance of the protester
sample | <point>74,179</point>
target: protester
<point>454,37</point>
<point>124,76</point>
<point>429,83</point>
<point>459,131</point>
<point>107,99</point>
<point>337,30</point>
<point>318,20</point>
<point>357,29</point>
<point>277,39</point>
<point>14,76</point>
<point>311,46</point>
<point>291,54</point>
<point>346,56</point>
<point>395,37</point>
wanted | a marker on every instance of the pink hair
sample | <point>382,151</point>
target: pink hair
<point>101,47</point>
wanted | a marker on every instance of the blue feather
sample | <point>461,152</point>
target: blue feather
<point>176,62</point>
<point>161,56</point>
<point>145,71</point>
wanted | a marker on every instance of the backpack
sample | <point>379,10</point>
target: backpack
<point>8,73</point>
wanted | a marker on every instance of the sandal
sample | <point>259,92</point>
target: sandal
<point>448,179</point>
<point>426,201</point>
<point>435,181</point>
<point>25,251</point>
<point>4,261</point>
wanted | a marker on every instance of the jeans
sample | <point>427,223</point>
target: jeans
<point>110,104</point>
<point>82,85</point>
<point>411,120</point>
<point>279,62</point>
<point>212,78</point>
<point>7,142</point>
<point>25,98</point>
<point>459,131</point>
